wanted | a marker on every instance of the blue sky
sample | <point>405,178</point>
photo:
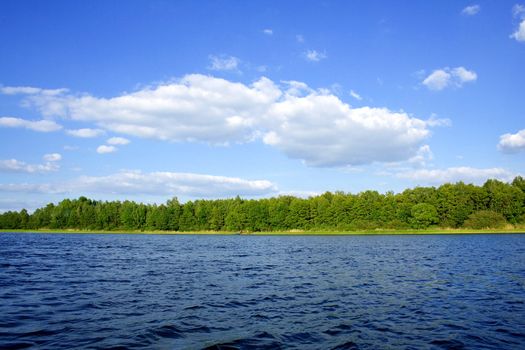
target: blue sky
<point>147,100</point>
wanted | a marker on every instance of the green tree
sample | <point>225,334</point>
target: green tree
<point>187,221</point>
<point>424,215</point>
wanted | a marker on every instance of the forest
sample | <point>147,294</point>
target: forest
<point>495,204</point>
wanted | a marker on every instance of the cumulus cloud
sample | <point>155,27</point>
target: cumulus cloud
<point>442,78</point>
<point>85,132</point>
<point>17,166</point>
<point>268,31</point>
<point>304,123</point>
<point>463,75</point>
<point>438,80</point>
<point>111,143</point>
<point>471,10</point>
<point>223,63</point>
<point>118,141</point>
<point>35,125</point>
<point>103,149</point>
<point>324,131</point>
<point>455,174</point>
<point>155,183</point>
<point>512,143</point>
<point>194,108</point>
<point>314,56</point>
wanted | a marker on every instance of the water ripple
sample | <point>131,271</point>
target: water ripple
<point>236,292</point>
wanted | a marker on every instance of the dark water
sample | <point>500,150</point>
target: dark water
<point>228,292</point>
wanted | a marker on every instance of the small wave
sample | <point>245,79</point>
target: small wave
<point>449,344</point>
<point>199,329</point>
<point>17,345</point>
<point>303,337</point>
<point>194,307</point>
<point>342,328</point>
<point>511,333</point>
<point>168,331</point>
<point>346,346</point>
<point>263,340</point>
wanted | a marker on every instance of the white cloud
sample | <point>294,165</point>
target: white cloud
<point>118,141</point>
<point>519,34</point>
<point>28,90</point>
<point>355,95</point>
<point>423,155</point>
<point>324,131</point>
<point>223,63</point>
<point>155,183</point>
<point>307,124</point>
<point>52,157</point>
<point>85,132</point>
<point>471,10</point>
<point>296,88</point>
<point>194,108</point>
<point>435,121</point>
<point>464,75</point>
<point>17,166</point>
<point>512,143</point>
<point>11,204</point>
<point>268,31</point>
<point>300,194</point>
<point>437,80</point>
<point>38,125</point>
<point>518,10</point>
<point>102,149</point>
<point>455,174</point>
<point>314,56</point>
<point>440,79</point>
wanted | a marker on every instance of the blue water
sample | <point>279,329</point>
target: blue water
<point>60,291</point>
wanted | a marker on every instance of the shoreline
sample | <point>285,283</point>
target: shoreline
<point>280,233</point>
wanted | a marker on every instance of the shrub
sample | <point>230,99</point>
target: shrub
<point>485,219</point>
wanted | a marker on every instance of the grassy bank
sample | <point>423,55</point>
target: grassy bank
<point>436,231</point>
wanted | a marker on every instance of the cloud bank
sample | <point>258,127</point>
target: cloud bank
<point>311,125</point>
<point>17,166</point>
<point>455,174</point>
<point>155,183</point>
<point>37,125</point>
<point>85,132</point>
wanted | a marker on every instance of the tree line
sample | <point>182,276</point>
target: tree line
<point>495,204</point>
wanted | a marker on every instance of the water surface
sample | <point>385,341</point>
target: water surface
<point>62,291</point>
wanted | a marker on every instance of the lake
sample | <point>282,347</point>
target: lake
<point>63,291</point>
